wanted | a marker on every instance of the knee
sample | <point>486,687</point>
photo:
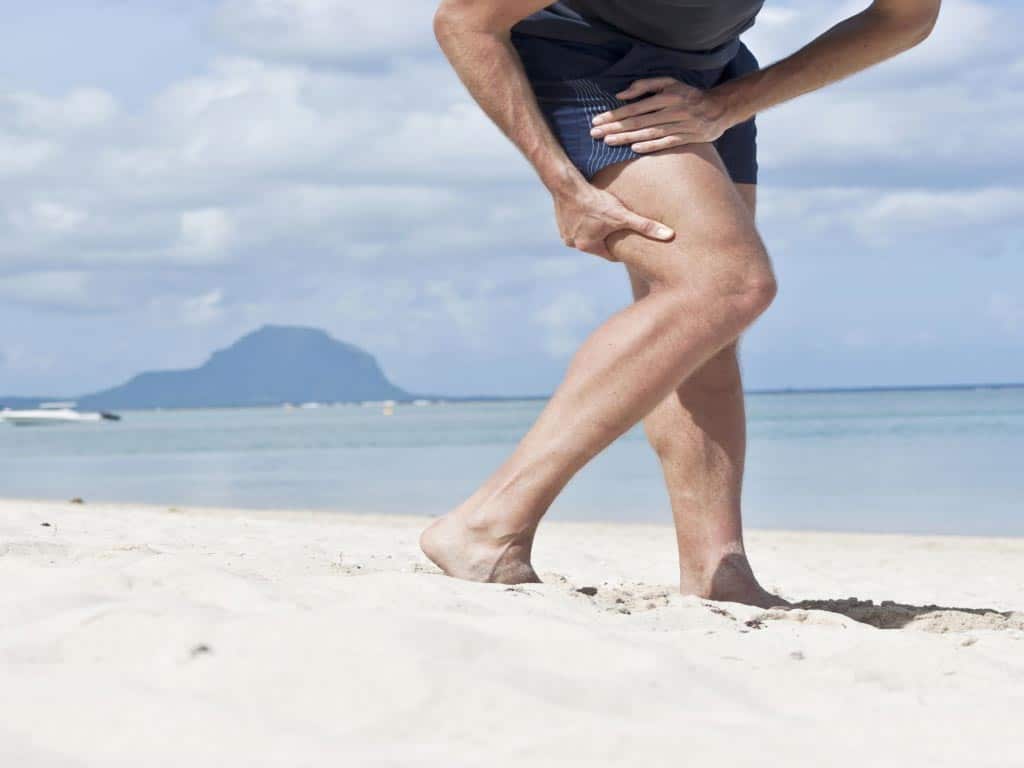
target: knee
<point>744,285</point>
<point>755,292</point>
<point>739,290</point>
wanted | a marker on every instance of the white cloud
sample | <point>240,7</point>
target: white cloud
<point>83,109</point>
<point>203,309</point>
<point>49,218</point>
<point>565,321</point>
<point>873,215</point>
<point>207,232</point>
<point>171,310</point>
<point>931,210</point>
<point>21,155</point>
<point>66,289</point>
<point>328,30</point>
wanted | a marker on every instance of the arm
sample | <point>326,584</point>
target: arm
<point>474,36</point>
<point>679,114</point>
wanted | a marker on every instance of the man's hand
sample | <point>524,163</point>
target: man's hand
<point>675,115</point>
<point>588,215</point>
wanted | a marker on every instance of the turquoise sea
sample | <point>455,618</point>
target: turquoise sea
<point>934,461</point>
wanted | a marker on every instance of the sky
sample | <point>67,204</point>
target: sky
<point>177,173</point>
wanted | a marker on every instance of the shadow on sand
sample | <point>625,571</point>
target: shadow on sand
<point>928,618</point>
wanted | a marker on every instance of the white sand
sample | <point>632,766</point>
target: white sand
<point>143,636</point>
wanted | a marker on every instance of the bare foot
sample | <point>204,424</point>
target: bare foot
<point>731,580</point>
<point>476,553</point>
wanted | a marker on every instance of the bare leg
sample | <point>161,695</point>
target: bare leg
<point>705,287</point>
<point>699,434</point>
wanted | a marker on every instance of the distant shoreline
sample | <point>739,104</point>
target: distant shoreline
<point>21,401</point>
<point>884,388</point>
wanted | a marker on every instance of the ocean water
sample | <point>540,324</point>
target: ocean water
<point>943,461</point>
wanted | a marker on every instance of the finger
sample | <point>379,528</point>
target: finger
<point>645,226</point>
<point>675,140</point>
<point>645,134</point>
<point>645,120</point>
<point>636,108</point>
<point>645,85</point>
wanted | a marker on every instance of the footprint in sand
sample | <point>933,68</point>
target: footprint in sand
<point>892,615</point>
<point>620,597</point>
<point>32,548</point>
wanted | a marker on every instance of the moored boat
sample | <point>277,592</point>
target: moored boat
<point>53,413</point>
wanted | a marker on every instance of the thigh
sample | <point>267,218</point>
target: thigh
<point>722,370</point>
<point>689,189</point>
<point>749,194</point>
<point>639,285</point>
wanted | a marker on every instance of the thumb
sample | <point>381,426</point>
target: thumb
<point>648,227</point>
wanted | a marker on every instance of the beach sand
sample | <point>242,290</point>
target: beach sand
<point>156,636</point>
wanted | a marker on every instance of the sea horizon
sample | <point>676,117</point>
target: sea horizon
<point>436,398</point>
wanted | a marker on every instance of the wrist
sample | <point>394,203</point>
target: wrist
<point>564,180</point>
<point>728,105</point>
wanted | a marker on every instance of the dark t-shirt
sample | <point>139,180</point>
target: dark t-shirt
<point>707,30</point>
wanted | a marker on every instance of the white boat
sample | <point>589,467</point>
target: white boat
<point>53,413</point>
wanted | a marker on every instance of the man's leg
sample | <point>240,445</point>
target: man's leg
<point>706,286</point>
<point>699,434</point>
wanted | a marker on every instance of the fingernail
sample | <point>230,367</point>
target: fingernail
<point>664,232</point>
<point>595,132</point>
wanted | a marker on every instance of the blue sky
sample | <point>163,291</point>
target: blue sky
<point>175,174</point>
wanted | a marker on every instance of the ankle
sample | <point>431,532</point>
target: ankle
<point>490,522</point>
<point>706,559</point>
<point>709,572</point>
<point>504,514</point>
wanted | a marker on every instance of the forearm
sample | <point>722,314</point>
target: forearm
<point>854,44</point>
<point>490,68</point>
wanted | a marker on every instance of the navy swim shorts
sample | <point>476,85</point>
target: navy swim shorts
<point>573,81</point>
